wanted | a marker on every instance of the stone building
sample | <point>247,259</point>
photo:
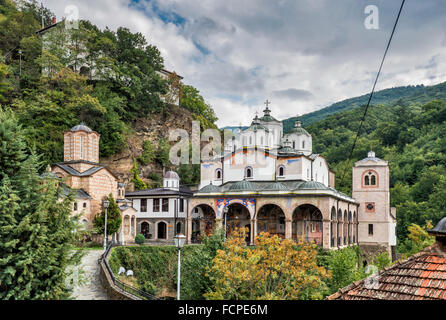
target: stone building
<point>91,181</point>
<point>161,212</point>
<point>267,181</point>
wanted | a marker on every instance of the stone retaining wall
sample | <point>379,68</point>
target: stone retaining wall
<point>113,292</point>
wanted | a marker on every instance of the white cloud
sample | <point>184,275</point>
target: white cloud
<point>256,48</point>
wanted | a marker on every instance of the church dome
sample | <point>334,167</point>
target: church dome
<point>298,129</point>
<point>171,175</point>
<point>311,185</point>
<point>81,127</point>
<point>243,185</point>
<point>210,188</point>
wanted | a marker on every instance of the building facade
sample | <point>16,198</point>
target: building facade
<point>161,212</point>
<point>269,181</point>
<point>92,181</point>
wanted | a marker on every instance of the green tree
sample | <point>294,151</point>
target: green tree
<point>114,219</point>
<point>36,228</point>
<point>137,181</point>
<point>195,282</point>
<point>162,152</point>
<point>193,101</point>
<point>148,153</point>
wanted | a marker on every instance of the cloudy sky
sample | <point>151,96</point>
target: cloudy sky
<point>302,55</point>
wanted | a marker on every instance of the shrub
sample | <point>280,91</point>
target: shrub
<point>139,239</point>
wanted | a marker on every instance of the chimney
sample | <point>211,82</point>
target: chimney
<point>440,234</point>
<point>53,20</point>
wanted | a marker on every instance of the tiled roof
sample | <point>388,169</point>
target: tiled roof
<point>74,172</point>
<point>184,191</point>
<point>420,277</point>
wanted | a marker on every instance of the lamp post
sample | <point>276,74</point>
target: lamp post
<point>225,211</point>
<point>105,203</point>
<point>179,239</point>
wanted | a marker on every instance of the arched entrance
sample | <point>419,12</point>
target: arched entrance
<point>238,217</point>
<point>162,230</point>
<point>203,222</point>
<point>145,230</point>
<point>307,224</point>
<point>271,219</point>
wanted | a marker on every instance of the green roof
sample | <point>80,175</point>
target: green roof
<point>210,188</point>
<point>243,185</point>
<point>268,118</point>
<point>312,185</point>
<point>255,127</point>
<point>276,186</point>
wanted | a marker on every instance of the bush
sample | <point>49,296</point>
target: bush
<point>139,239</point>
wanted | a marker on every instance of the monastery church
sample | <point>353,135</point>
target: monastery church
<point>263,180</point>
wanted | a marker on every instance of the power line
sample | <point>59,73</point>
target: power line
<point>373,90</point>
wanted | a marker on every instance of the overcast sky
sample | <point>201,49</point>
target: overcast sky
<point>302,55</point>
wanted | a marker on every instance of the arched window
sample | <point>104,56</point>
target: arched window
<point>294,144</point>
<point>248,172</point>
<point>281,171</point>
<point>179,227</point>
<point>370,179</point>
<point>303,144</point>
<point>218,174</point>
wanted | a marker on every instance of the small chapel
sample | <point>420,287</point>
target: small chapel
<point>91,181</point>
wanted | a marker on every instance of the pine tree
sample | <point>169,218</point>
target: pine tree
<point>36,238</point>
<point>114,219</point>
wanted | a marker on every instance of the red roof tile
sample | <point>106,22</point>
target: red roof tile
<point>420,277</point>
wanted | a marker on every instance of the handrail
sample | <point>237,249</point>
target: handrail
<point>123,286</point>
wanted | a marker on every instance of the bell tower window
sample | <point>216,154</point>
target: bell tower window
<point>370,179</point>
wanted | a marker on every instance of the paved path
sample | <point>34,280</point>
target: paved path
<point>90,287</point>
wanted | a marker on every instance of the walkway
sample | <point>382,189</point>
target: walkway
<point>90,287</point>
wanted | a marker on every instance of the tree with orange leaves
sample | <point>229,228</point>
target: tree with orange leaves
<point>274,269</point>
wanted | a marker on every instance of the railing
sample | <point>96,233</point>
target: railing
<point>123,286</point>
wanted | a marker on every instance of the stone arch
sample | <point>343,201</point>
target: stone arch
<point>248,203</point>
<point>146,229</point>
<point>369,179</point>
<point>161,230</point>
<point>126,224</point>
<point>271,218</point>
<point>203,221</point>
<point>238,216</point>
<point>307,224</point>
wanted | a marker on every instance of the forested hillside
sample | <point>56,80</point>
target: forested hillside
<point>414,94</point>
<point>412,137</point>
<point>41,81</point>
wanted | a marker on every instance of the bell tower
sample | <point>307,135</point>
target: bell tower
<point>377,221</point>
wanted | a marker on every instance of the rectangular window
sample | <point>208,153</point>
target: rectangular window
<point>181,205</point>
<point>85,204</point>
<point>143,205</point>
<point>165,205</point>
<point>156,205</point>
<point>75,206</point>
<point>370,229</point>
